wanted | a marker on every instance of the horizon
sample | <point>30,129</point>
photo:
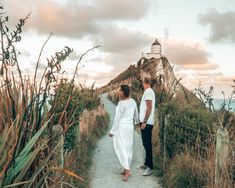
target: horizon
<point>199,46</point>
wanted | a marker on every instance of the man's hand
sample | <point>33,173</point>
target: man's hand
<point>110,135</point>
<point>143,125</point>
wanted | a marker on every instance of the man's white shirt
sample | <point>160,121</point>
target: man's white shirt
<point>148,95</point>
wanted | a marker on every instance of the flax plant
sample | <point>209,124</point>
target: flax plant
<point>28,145</point>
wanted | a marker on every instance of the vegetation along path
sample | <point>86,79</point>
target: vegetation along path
<point>105,165</point>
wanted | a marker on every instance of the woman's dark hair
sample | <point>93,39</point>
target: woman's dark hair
<point>126,90</point>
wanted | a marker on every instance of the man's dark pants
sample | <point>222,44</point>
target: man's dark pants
<point>146,135</point>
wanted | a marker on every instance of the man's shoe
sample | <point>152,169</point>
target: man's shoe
<point>148,172</point>
<point>142,167</point>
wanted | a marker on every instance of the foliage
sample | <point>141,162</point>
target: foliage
<point>186,126</point>
<point>190,140</point>
<point>185,171</point>
<point>81,98</point>
<point>206,97</point>
<point>136,90</point>
<point>131,72</point>
<point>28,144</point>
<point>113,97</point>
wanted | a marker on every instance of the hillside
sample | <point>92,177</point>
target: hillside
<point>163,77</point>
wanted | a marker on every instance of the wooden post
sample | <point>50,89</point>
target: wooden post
<point>58,138</point>
<point>164,140</point>
<point>222,154</point>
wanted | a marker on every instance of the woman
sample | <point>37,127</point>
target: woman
<point>123,129</point>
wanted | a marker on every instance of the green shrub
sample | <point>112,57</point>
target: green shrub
<point>82,98</point>
<point>186,126</point>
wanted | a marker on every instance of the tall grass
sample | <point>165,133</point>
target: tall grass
<point>93,124</point>
<point>29,146</point>
<point>186,171</point>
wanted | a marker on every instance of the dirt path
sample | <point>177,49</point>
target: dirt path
<point>105,165</point>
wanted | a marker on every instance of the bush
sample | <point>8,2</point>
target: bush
<point>186,172</point>
<point>112,96</point>
<point>186,126</point>
<point>82,98</point>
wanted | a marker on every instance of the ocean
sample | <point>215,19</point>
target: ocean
<point>218,102</point>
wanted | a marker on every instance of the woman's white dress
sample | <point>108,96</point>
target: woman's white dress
<point>123,130</point>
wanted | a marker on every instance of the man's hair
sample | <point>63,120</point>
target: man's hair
<point>147,80</point>
<point>126,90</point>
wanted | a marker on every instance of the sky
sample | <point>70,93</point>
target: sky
<point>197,37</point>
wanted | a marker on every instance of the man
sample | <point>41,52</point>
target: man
<point>146,116</point>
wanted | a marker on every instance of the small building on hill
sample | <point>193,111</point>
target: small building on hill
<point>155,51</point>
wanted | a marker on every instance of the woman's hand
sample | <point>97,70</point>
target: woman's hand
<point>110,135</point>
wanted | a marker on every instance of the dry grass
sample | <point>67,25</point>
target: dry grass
<point>193,167</point>
<point>88,121</point>
<point>155,140</point>
<point>93,124</point>
<point>186,171</point>
<point>189,170</point>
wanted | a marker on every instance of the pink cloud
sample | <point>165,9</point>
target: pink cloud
<point>188,54</point>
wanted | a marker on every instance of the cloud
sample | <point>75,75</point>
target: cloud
<point>121,40</point>
<point>194,65</point>
<point>24,53</point>
<point>221,25</point>
<point>92,72</point>
<point>75,19</point>
<point>206,66</point>
<point>217,79</point>
<point>74,56</point>
<point>94,19</point>
<point>206,73</point>
<point>188,55</point>
<point>120,46</point>
<point>121,9</point>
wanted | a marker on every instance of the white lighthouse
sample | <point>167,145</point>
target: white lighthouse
<point>155,51</point>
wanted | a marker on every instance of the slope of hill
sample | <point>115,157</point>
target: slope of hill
<point>163,79</point>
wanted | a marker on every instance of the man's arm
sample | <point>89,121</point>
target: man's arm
<point>147,113</point>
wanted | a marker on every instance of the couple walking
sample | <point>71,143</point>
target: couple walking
<point>123,127</point>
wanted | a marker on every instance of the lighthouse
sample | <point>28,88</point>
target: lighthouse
<point>155,51</point>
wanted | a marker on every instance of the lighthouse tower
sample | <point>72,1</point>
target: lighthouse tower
<point>155,51</point>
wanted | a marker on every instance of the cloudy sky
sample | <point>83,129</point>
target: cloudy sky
<point>198,37</point>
